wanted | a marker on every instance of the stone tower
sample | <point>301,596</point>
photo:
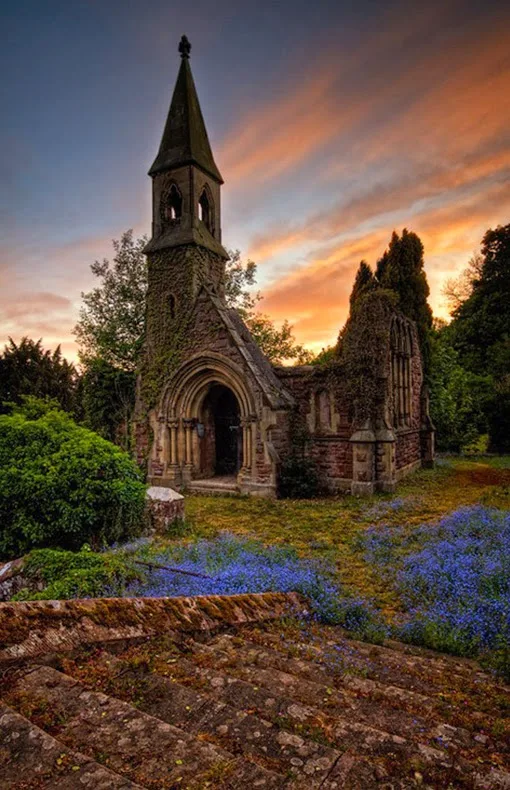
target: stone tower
<point>186,214</point>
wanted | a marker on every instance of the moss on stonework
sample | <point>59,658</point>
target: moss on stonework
<point>169,340</point>
<point>364,352</point>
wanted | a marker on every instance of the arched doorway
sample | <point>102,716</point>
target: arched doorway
<point>221,440</point>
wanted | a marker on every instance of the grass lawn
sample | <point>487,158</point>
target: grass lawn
<point>331,528</point>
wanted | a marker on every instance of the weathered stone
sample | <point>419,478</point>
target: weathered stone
<point>165,506</point>
<point>32,628</point>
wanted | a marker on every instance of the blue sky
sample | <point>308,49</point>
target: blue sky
<point>332,124</point>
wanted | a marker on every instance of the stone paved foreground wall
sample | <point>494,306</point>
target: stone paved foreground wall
<point>32,628</point>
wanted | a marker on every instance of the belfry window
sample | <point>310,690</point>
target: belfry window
<point>205,212</point>
<point>173,204</point>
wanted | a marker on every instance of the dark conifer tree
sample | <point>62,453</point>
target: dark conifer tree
<point>401,269</point>
<point>363,282</point>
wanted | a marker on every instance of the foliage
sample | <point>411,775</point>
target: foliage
<point>108,396</point>
<point>27,369</point>
<point>298,478</point>
<point>366,332</point>
<point>68,574</point>
<point>499,417</point>
<point>453,577</point>
<point>240,565</point>
<point>62,485</point>
<point>112,318</point>
<point>363,282</point>
<point>325,355</point>
<point>401,269</point>
<point>480,329</point>
<point>458,398</point>
<point>277,343</point>
<point>239,278</point>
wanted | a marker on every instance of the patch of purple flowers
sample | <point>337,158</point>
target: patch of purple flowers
<point>454,578</point>
<point>238,565</point>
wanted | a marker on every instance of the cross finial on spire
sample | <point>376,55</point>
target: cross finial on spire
<point>184,47</point>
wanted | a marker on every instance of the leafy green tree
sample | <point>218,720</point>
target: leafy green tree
<point>112,318</point>
<point>480,329</point>
<point>277,343</point>
<point>27,369</point>
<point>363,282</point>
<point>401,269</point>
<point>458,397</point>
<point>62,485</point>
<point>108,399</point>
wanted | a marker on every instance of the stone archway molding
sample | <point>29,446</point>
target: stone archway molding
<point>184,395</point>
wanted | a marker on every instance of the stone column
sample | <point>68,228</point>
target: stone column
<point>173,426</point>
<point>363,460</point>
<point>188,458</point>
<point>386,461</point>
<point>245,426</point>
<point>252,440</point>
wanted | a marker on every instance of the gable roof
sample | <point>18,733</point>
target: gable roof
<point>258,364</point>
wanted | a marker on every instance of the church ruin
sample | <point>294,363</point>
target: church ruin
<point>212,411</point>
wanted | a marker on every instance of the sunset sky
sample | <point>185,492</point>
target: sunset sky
<point>332,123</point>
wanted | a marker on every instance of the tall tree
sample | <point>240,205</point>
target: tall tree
<point>480,328</point>
<point>112,319</point>
<point>363,281</point>
<point>27,369</point>
<point>401,269</point>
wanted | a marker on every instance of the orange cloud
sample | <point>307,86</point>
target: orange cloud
<point>315,298</point>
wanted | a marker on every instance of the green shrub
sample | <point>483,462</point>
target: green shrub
<point>68,574</point>
<point>62,485</point>
<point>299,478</point>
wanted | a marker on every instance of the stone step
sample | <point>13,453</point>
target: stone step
<point>353,723</point>
<point>378,754</point>
<point>451,685</point>
<point>132,743</point>
<point>29,757</point>
<point>239,651</point>
<point>405,665</point>
<point>214,485</point>
<point>229,726</point>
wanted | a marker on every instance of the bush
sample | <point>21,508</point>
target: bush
<point>299,478</point>
<point>62,485</point>
<point>68,574</point>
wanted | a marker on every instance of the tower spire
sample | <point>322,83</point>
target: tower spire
<point>185,140</point>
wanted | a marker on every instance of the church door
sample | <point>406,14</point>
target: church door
<point>223,439</point>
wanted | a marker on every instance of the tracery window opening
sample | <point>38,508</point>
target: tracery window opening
<point>205,210</point>
<point>174,204</point>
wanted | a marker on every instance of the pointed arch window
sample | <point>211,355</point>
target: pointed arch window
<point>401,373</point>
<point>172,207</point>
<point>172,305</point>
<point>205,209</point>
